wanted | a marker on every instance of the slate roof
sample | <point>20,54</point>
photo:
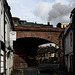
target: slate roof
<point>46,50</point>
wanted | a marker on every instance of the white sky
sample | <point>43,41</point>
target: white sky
<point>42,11</point>
<point>48,44</point>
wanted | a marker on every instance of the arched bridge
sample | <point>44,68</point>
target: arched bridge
<point>47,33</point>
<point>30,37</point>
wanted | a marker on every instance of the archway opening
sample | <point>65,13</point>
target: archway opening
<point>48,53</point>
<point>26,48</point>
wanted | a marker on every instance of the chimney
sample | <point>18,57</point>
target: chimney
<point>46,46</point>
<point>48,23</point>
<point>50,45</point>
<point>55,46</point>
<point>43,46</point>
<point>40,47</point>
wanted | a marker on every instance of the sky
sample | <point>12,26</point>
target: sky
<point>42,11</point>
<point>48,44</point>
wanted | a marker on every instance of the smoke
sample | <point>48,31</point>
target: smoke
<point>42,10</point>
<point>55,12</point>
<point>59,13</point>
<point>73,1</point>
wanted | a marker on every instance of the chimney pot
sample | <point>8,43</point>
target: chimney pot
<point>48,23</point>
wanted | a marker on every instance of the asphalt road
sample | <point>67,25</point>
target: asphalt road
<point>43,69</point>
<point>34,72</point>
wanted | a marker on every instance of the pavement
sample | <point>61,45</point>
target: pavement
<point>61,72</point>
<point>16,72</point>
<point>29,71</point>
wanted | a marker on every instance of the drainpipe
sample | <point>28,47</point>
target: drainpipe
<point>4,42</point>
<point>0,56</point>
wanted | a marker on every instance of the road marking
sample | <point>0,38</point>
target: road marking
<point>38,72</point>
<point>55,74</point>
<point>22,72</point>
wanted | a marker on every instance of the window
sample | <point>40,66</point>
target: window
<point>1,12</point>
<point>2,64</point>
<point>71,40</point>
<point>61,44</point>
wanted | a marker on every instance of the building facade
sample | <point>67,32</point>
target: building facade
<point>68,40</point>
<point>67,44</point>
<point>59,25</point>
<point>48,54</point>
<point>64,25</point>
<point>61,50</point>
<point>6,26</point>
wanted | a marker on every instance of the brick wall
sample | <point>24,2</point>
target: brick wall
<point>50,34</point>
<point>19,62</point>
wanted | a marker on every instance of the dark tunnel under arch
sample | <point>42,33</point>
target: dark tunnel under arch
<point>25,47</point>
<point>28,45</point>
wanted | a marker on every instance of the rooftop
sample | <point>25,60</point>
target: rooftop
<point>18,22</point>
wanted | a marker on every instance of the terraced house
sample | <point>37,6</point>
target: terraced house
<point>6,43</point>
<point>67,46</point>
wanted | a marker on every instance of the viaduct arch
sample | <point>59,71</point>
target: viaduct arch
<point>47,33</point>
<point>30,37</point>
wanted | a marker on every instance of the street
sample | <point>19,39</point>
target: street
<point>43,69</point>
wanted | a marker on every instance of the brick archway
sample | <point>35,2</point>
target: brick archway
<point>25,47</point>
<point>50,34</point>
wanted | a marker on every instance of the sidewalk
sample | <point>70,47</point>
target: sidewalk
<point>61,72</point>
<point>16,72</point>
<point>26,71</point>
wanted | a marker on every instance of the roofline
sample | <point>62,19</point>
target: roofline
<point>70,28</point>
<point>10,16</point>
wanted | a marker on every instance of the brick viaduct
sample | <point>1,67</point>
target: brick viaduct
<point>24,47</point>
<point>47,33</point>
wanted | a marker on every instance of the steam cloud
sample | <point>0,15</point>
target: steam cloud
<point>55,13</point>
<point>59,13</point>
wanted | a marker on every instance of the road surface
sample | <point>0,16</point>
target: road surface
<point>43,69</point>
